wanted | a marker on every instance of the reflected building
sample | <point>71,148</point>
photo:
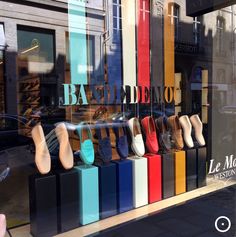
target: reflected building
<point>194,55</point>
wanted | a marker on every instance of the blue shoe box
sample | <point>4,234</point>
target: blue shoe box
<point>124,174</point>
<point>107,190</point>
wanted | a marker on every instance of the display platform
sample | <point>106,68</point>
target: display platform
<point>135,213</point>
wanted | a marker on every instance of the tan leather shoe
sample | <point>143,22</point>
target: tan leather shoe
<point>65,152</point>
<point>176,132</point>
<point>42,155</point>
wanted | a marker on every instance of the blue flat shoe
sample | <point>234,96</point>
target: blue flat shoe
<point>121,140</point>
<point>86,145</point>
<point>104,142</point>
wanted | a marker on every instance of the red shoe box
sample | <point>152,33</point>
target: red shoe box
<point>154,178</point>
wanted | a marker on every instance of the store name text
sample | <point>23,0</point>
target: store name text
<point>84,94</point>
<point>223,170</point>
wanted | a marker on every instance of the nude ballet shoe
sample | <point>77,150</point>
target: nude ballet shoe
<point>42,155</point>
<point>187,128</point>
<point>197,124</point>
<point>65,152</point>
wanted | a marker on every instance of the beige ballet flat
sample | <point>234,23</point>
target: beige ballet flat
<point>65,152</point>
<point>198,127</point>
<point>42,155</point>
<point>187,128</point>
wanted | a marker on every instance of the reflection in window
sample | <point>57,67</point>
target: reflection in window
<point>2,86</point>
<point>37,84</point>
<point>197,29</point>
<point>91,69</point>
<point>220,34</point>
<point>116,19</point>
<point>2,100</point>
<point>35,50</point>
<point>174,14</point>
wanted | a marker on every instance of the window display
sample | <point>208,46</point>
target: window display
<point>115,110</point>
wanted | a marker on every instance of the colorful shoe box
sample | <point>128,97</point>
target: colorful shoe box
<point>180,172</point>
<point>191,169</point>
<point>88,194</point>
<point>124,173</point>
<point>107,190</point>
<point>201,166</point>
<point>168,175</point>
<point>154,178</point>
<point>43,205</point>
<point>140,181</point>
<point>68,199</point>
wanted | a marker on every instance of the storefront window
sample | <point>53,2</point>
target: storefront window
<point>109,106</point>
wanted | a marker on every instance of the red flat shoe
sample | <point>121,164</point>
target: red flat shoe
<point>149,128</point>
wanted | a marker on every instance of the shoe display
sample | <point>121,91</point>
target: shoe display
<point>65,151</point>
<point>149,128</point>
<point>198,127</point>
<point>99,112</point>
<point>86,145</point>
<point>121,140</point>
<point>176,132</point>
<point>29,101</point>
<point>42,155</point>
<point>187,129</point>
<point>34,86</point>
<point>27,112</point>
<point>163,133</point>
<point>104,141</point>
<point>35,99</point>
<point>137,144</point>
<point>122,116</point>
<point>26,86</point>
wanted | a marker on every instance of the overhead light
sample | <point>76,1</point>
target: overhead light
<point>30,49</point>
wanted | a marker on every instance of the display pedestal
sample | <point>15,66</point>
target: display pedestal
<point>107,190</point>
<point>201,166</point>
<point>180,172</point>
<point>88,194</point>
<point>191,169</point>
<point>140,181</point>
<point>168,175</point>
<point>68,199</point>
<point>43,205</point>
<point>124,179</point>
<point>154,178</point>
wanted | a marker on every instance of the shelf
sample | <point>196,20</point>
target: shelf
<point>28,78</point>
<point>28,103</point>
<point>30,91</point>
